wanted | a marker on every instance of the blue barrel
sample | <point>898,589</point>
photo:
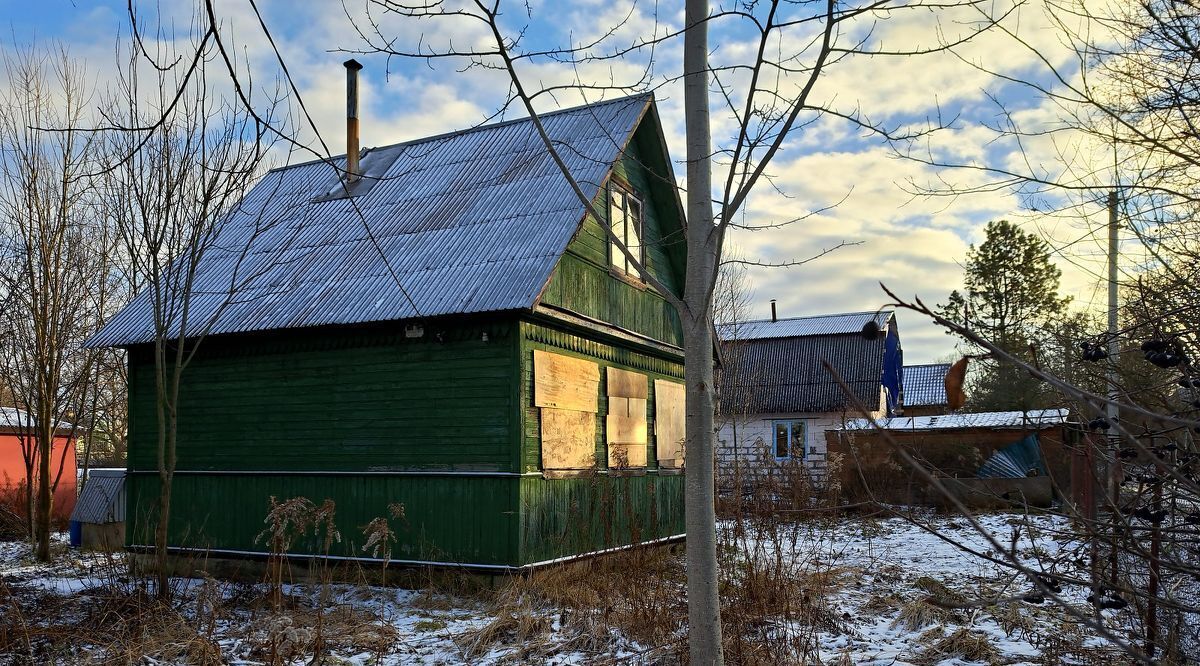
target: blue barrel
<point>76,530</point>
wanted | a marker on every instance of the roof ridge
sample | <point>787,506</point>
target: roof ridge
<point>469,130</point>
<point>820,316</point>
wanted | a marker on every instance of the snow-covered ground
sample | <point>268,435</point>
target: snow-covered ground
<point>896,564</point>
<point>899,595</point>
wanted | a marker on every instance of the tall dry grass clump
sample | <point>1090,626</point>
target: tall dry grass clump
<point>777,578</point>
<point>775,550</point>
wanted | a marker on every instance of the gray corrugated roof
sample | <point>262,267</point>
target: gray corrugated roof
<point>832,324</point>
<point>103,498</point>
<point>925,385</point>
<point>992,420</point>
<point>472,221</point>
<point>786,375</point>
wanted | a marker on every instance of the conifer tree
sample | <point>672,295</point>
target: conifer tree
<point>1010,297</point>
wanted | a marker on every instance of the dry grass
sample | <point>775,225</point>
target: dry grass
<point>638,593</point>
<point>300,633</point>
<point>521,626</point>
<point>879,604</point>
<point>776,592</point>
<point>963,644</point>
<point>938,592</point>
<point>116,626</point>
<point>1013,619</point>
<point>918,614</point>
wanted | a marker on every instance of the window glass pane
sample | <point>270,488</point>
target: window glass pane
<point>616,218</point>
<point>633,229</point>
<point>625,220</point>
<point>781,440</point>
<point>798,443</point>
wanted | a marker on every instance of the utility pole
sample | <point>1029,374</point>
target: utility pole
<point>1115,473</point>
<point>1114,348</point>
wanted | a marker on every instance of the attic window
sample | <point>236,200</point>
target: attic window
<point>625,220</point>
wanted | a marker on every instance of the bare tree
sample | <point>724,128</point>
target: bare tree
<point>767,98</point>
<point>52,260</point>
<point>180,159</point>
<point>1120,122</point>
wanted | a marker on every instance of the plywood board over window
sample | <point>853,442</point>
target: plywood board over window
<point>625,426</point>
<point>669,419</point>
<point>568,439</point>
<point>565,382</point>
<point>566,391</point>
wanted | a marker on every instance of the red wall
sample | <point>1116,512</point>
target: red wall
<point>12,475</point>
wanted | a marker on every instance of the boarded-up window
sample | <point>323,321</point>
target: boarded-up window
<point>669,418</point>
<point>568,439</point>
<point>566,390</point>
<point>626,422</point>
<point>564,382</point>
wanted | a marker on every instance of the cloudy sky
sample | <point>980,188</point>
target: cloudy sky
<point>843,183</point>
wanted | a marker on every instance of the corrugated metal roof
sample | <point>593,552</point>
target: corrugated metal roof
<point>103,498</point>
<point>775,366</point>
<point>786,375</point>
<point>1017,420</point>
<point>14,419</point>
<point>832,324</point>
<point>472,221</point>
<point>925,385</point>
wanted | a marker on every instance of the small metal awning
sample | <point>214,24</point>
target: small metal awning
<point>103,498</point>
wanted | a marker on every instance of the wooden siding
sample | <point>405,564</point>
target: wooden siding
<point>563,517</point>
<point>560,517</point>
<point>582,281</point>
<point>412,398</point>
<point>561,341</point>
<point>453,519</point>
<point>339,401</point>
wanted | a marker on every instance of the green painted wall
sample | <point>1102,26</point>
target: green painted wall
<point>346,400</point>
<point>447,518</point>
<point>351,400</point>
<point>582,281</point>
<point>562,517</point>
<point>337,414</point>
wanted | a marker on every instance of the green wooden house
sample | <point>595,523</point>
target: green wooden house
<point>452,332</point>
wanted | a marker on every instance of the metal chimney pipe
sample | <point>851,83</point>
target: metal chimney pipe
<point>774,317</point>
<point>352,171</point>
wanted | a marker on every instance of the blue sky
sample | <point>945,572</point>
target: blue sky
<point>911,243</point>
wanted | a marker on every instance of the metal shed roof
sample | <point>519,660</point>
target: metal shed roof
<point>1018,420</point>
<point>777,368</point>
<point>831,324</point>
<point>472,221</point>
<point>925,385</point>
<point>13,420</point>
<point>103,498</point>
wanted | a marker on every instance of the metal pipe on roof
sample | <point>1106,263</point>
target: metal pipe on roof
<point>774,317</point>
<point>352,171</point>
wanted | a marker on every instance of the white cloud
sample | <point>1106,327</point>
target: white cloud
<point>911,244</point>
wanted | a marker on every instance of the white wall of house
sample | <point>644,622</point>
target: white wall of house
<point>747,442</point>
